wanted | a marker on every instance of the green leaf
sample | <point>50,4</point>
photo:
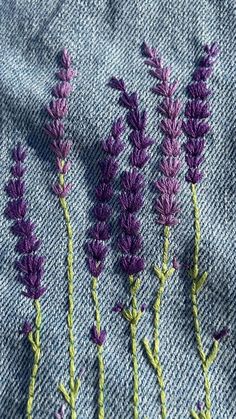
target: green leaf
<point>65,393</point>
<point>127,314</point>
<point>149,353</point>
<point>77,387</point>
<point>159,273</point>
<point>194,415</point>
<point>213,354</point>
<point>137,285</point>
<point>201,281</point>
<point>169,273</point>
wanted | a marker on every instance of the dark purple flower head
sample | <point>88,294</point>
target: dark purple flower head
<point>102,212</point>
<point>168,186</point>
<point>18,154</point>
<point>199,90</point>
<point>171,147</point>
<point>55,129</point>
<point>221,334</point>
<point>130,224</point>
<point>130,244</point>
<point>117,84</point>
<point>104,192</point>
<point>200,406</point>
<point>194,147</point>
<point>213,50</point>
<point>61,148</point>
<point>169,108</point>
<point>109,168</point>
<point>62,90</point>
<point>26,328</point>
<point>131,202</point>
<point>117,128</point>
<point>31,264</point>
<point>23,228</point>
<point>170,167</point>
<point>58,108</point>
<point>132,265</point>
<point>97,250</point>
<point>193,161</point>
<point>143,307</point>
<point>100,231</point>
<point>171,128</point>
<point>197,109</point>
<point>129,101</point>
<point>15,189</point>
<point>194,176</point>
<point>165,89</point>
<point>28,245</point>
<point>195,129</point>
<point>137,120</point>
<point>167,206</point>
<point>99,338</point>
<point>16,209</point>
<point>95,268</point>
<point>202,73</point>
<point>132,181</point>
<point>139,140</point>
<point>112,146</point>
<point>118,308</point>
<point>139,158</point>
<point>17,170</point>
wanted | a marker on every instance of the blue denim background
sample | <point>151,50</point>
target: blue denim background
<point>104,38</point>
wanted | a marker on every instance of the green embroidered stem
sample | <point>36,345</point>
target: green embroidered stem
<point>153,355</point>
<point>133,331</point>
<point>34,338</point>
<point>101,411</point>
<point>74,384</point>
<point>197,283</point>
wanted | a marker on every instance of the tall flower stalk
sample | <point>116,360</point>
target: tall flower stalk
<point>196,128</point>
<point>30,266</point>
<point>166,207</point>
<point>57,110</point>
<point>131,201</point>
<point>99,234</point>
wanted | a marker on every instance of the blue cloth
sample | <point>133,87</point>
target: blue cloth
<point>104,38</point>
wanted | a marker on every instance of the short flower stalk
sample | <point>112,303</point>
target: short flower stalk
<point>195,129</point>
<point>131,201</point>
<point>30,266</point>
<point>61,147</point>
<point>99,233</point>
<point>166,205</point>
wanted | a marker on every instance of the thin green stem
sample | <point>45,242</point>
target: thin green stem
<point>133,331</point>
<point>101,410</point>
<point>70,275</point>
<point>34,339</point>
<point>197,329</point>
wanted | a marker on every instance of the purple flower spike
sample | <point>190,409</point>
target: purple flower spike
<point>97,250</point>
<point>61,148</point>
<point>30,266</point>
<point>196,112</point>
<point>221,334</point>
<point>17,170</point>
<point>117,84</point>
<point>62,90</point>
<point>171,126</point>
<point>65,59</point>
<point>55,129</point>
<point>66,74</point>
<point>118,308</point>
<point>99,338</point>
<point>95,267</point>
<point>58,109</point>
<point>26,328</point>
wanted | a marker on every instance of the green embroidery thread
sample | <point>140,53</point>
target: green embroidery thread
<point>133,316</point>
<point>74,384</point>
<point>197,284</point>
<point>34,339</point>
<point>162,274</point>
<point>101,383</point>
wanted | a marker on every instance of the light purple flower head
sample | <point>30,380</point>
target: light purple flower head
<point>197,111</point>
<point>57,111</point>
<point>99,338</point>
<point>30,266</point>
<point>168,185</point>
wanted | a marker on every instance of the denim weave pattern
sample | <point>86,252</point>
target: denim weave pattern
<point>104,38</point>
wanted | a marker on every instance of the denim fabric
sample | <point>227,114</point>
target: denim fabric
<point>104,38</point>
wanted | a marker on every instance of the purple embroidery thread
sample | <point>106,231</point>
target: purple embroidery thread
<point>30,266</point>
<point>61,147</point>
<point>195,129</point>
<point>168,186</point>
<point>131,201</point>
<point>99,233</point>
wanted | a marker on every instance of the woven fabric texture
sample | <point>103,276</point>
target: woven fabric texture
<point>104,38</point>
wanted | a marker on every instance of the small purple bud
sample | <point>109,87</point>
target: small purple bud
<point>65,59</point>
<point>18,170</point>
<point>99,338</point>
<point>63,168</point>
<point>62,90</point>
<point>118,308</point>
<point>200,406</point>
<point>95,268</point>
<point>102,212</point>
<point>26,328</point>
<point>15,189</point>
<point>132,181</point>
<point>58,108</point>
<point>62,191</point>
<point>104,192</point>
<point>16,209</point>
<point>18,153</point>
<point>221,334</point>
<point>143,307</point>
<point>212,50</point>
<point>61,148</point>
<point>176,264</point>
<point>100,231</point>
<point>117,84</point>
<point>139,158</point>
<point>97,250</point>
<point>55,129</point>
<point>131,202</point>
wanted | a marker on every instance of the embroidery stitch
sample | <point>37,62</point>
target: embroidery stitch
<point>100,233</point>
<point>131,201</point>
<point>57,110</point>
<point>195,129</point>
<point>30,266</point>
<point>166,205</point>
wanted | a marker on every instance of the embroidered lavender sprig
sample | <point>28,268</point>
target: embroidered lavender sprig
<point>99,233</point>
<point>57,111</point>
<point>196,128</point>
<point>131,201</point>
<point>168,186</point>
<point>29,264</point>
